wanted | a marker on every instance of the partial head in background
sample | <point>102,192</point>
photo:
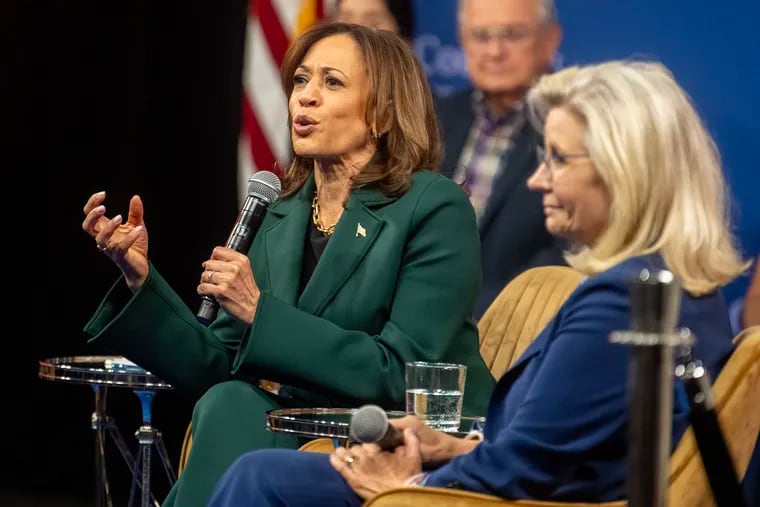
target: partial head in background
<point>507,45</point>
<point>394,15</point>
<point>629,169</point>
<point>344,105</point>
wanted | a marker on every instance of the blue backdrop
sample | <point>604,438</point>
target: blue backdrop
<point>711,48</point>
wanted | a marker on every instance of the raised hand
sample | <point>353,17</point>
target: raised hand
<point>126,244</point>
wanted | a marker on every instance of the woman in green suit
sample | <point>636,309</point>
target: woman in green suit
<point>369,259</point>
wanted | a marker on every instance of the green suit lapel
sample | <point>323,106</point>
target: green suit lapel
<point>284,242</point>
<point>355,233</point>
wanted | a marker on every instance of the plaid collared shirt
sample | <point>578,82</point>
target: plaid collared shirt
<point>489,139</point>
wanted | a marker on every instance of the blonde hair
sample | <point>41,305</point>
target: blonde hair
<point>660,165</point>
<point>400,109</point>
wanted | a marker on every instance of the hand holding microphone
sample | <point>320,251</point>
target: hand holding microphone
<point>369,470</point>
<point>263,189</point>
<point>369,424</point>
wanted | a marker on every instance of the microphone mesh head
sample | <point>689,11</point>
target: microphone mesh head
<point>265,185</point>
<point>368,424</point>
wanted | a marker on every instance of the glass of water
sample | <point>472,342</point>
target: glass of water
<point>434,393</point>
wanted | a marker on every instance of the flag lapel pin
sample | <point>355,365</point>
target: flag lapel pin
<point>360,231</point>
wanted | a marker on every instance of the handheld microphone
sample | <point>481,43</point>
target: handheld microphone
<point>369,424</point>
<point>263,189</point>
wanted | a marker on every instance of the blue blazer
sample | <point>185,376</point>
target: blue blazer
<point>513,236</point>
<point>556,427</point>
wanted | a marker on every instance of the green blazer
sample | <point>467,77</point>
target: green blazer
<point>395,283</point>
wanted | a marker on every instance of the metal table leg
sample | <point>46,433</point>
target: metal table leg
<point>102,424</point>
<point>147,437</point>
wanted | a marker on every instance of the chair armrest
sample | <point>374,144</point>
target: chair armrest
<point>416,496</point>
<point>323,445</point>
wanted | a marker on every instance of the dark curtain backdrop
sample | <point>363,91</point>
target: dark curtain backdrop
<point>138,97</point>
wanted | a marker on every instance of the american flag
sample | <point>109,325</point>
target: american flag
<point>264,139</point>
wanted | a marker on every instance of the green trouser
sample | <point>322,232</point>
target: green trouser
<point>228,420</point>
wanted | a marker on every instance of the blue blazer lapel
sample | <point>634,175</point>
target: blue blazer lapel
<point>517,164</point>
<point>355,233</point>
<point>530,353</point>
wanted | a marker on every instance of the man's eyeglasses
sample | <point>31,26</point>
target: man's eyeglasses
<point>508,34</point>
<point>556,157</point>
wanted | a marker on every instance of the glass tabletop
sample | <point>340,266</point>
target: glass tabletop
<point>332,422</point>
<point>99,370</point>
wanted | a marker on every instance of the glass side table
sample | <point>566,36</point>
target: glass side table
<point>100,373</point>
<point>333,422</point>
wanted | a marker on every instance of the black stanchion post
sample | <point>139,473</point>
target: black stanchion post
<point>719,467</point>
<point>655,303</point>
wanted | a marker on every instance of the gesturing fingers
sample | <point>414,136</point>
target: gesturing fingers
<point>93,219</point>
<point>135,216</point>
<point>94,201</point>
<point>105,231</point>
<point>95,223</point>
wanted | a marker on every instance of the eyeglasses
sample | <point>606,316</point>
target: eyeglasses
<point>556,157</point>
<point>507,34</point>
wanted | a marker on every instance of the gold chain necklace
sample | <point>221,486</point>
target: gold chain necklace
<point>315,217</point>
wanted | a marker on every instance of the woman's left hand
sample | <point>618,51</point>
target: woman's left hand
<point>369,470</point>
<point>228,277</point>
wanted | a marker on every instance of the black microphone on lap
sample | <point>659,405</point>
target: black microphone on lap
<point>263,189</point>
<point>369,424</point>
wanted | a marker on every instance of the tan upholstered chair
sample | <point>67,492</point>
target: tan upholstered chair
<point>509,325</point>
<point>737,395</point>
<point>521,311</point>
<point>187,442</point>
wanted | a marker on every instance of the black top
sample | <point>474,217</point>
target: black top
<point>314,246</point>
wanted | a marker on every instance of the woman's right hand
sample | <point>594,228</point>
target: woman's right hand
<point>126,244</point>
<point>435,446</point>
